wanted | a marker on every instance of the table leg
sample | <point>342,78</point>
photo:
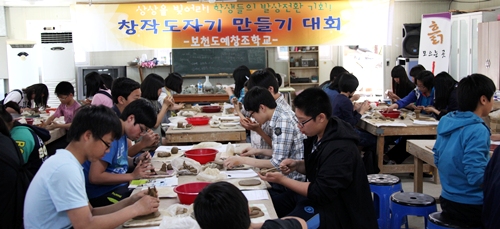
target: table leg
<point>418,175</point>
<point>380,153</point>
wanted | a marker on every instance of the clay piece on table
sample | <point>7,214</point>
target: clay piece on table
<point>154,193</point>
<point>263,172</point>
<point>189,168</point>
<point>255,212</point>
<point>181,211</point>
<point>249,182</point>
<point>174,150</point>
<point>164,154</point>
<point>164,167</point>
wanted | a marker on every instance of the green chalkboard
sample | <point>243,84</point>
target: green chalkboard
<point>216,60</point>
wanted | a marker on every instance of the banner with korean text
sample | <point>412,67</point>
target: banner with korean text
<point>106,27</point>
<point>435,42</point>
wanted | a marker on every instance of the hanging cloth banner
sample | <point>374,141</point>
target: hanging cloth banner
<point>106,27</point>
<point>435,42</point>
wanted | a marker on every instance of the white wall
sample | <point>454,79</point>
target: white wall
<point>404,12</point>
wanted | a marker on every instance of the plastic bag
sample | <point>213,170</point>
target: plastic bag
<point>229,151</point>
<point>185,222</point>
<point>179,168</point>
<point>211,175</point>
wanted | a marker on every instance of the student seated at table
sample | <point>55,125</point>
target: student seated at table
<point>344,109</point>
<point>125,91</point>
<point>240,75</point>
<point>32,97</point>
<point>15,180</point>
<point>445,100</point>
<point>417,69</point>
<point>97,90</point>
<point>172,83</point>
<point>419,98</point>
<point>30,140</point>
<point>224,202</point>
<point>461,151</point>
<point>401,84</point>
<point>56,197</point>
<point>150,90</point>
<point>337,187</point>
<point>286,138</point>
<point>65,93</point>
<point>107,179</point>
<point>266,79</point>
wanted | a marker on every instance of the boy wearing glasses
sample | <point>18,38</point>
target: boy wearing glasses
<point>56,197</point>
<point>286,137</point>
<point>107,179</point>
<point>337,189</point>
<point>65,92</point>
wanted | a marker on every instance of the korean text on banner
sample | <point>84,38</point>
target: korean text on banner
<point>435,42</point>
<point>237,24</point>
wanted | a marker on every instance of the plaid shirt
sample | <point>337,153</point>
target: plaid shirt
<point>287,139</point>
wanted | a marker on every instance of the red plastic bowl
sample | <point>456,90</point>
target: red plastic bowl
<point>188,192</point>
<point>391,114</point>
<point>210,109</point>
<point>198,121</point>
<point>203,156</point>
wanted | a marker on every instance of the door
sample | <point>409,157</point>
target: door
<point>455,39</point>
<point>473,61</point>
<point>483,54</point>
<point>463,49</point>
<point>494,51</point>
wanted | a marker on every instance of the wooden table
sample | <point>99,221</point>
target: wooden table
<point>165,203</point>
<point>206,134</point>
<point>422,152</point>
<point>380,132</point>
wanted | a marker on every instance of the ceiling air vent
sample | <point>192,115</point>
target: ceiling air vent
<point>18,46</point>
<point>50,38</point>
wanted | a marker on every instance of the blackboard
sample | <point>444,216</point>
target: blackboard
<point>216,60</point>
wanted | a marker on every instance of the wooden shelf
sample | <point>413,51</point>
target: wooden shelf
<point>140,69</point>
<point>310,51</point>
<point>298,68</point>
<point>303,84</point>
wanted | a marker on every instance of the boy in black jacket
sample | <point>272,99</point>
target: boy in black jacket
<point>337,187</point>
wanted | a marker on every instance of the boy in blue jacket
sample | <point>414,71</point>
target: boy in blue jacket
<point>461,151</point>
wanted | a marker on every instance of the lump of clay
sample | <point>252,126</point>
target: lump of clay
<point>164,154</point>
<point>154,193</point>
<point>164,167</point>
<point>256,212</point>
<point>249,182</point>
<point>174,150</point>
<point>263,172</point>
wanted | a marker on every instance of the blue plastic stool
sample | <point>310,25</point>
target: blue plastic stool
<point>313,223</point>
<point>383,186</point>
<point>436,221</point>
<point>410,203</point>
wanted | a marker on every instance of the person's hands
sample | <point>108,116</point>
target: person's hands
<point>355,97</point>
<point>390,108</point>
<point>142,170</point>
<point>51,126</point>
<point>356,106</point>
<point>138,195</point>
<point>288,165</point>
<point>234,101</point>
<point>412,106</point>
<point>431,109</point>
<point>145,158</point>
<point>419,107</point>
<point>167,101</point>
<point>229,90</point>
<point>150,138</point>
<point>275,177</point>
<point>249,151</point>
<point>365,106</point>
<point>233,161</point>
<point>249,124</point>
<point>146,205</point>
